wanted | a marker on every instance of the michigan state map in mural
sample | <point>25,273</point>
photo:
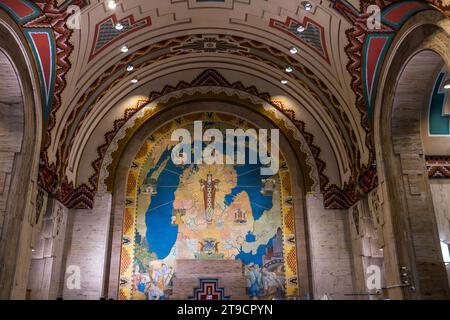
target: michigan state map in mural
<point>199,211</point>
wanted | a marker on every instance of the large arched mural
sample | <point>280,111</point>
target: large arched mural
<point>205,212</point>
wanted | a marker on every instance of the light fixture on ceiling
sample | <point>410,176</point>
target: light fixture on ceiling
<point>300,29</point>
<point>119,26</point>
<point>307,5</point>
<point>134,81</point>
<point>447,84</point>
<point>289,69</point>
<point>124,49</point>
<point>130,68</point>
<point>293,50</point>
<point>112,4</point>
<point>284,81</point>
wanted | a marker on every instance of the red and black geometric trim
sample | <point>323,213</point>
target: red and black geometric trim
<point>336,198</point>
<point>438,167</point>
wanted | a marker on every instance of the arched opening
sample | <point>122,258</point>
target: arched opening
<point>20,138</point>
<point>319,266</point>
<point>415,262</point>
<point>289,277</point>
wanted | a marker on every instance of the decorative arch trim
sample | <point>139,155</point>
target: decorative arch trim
<point>43,47</point>
<point>82,197</point>
<point>438,167</point>
<point>113,76</point>
<point>366,52</point>
<point>20,10</point>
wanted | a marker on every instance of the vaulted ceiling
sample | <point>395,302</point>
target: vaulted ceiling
<point>324,87</point>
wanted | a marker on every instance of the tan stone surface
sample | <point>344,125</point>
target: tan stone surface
<point>229,272</point>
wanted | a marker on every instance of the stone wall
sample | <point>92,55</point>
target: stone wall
<point>11,127</point>
<point>408,178</point>
<point>46,276</point>
<point>87,248</point>
<point>117,212</point>
<point>330,248</point>
<point>440,190</point>
<point>20,140</point>
<point>367,249</point>
<point>230,274</point>
<point>405,83</point>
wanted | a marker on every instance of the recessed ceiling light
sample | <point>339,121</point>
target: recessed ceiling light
<point>447,85</point>
<point>124,49</point>
<point>289,69</point>
<point>119,26</point>
<point>307,6</point>
<point>112,4</point>
<point>300,29</point>
<point>284,81</point>
<point>134,80</point>
<point>293,50</point>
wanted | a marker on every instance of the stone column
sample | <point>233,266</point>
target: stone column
<point>440,190</point>
<point>367,249</point>
<point>118,209</point>
<point>406,177</point>
<point>416,229</point>
<point>330,249</point>
<point>18,240</point>
<point>87,247</point>
<point>45,279</point>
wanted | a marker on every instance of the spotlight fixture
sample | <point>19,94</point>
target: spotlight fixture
<point>130,68</point>
<point>124,49</point>
<point>284,81</point>
<point>112,4</point>
<point>447,84</point>
<point>134,81</point>
<point>307,5</point>
<point>119,26</point>
<point>300,29</point>
<point>293,50</point>
<point>289,69</point>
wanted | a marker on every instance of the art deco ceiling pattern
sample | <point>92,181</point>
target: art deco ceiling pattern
<point>240,46</point>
